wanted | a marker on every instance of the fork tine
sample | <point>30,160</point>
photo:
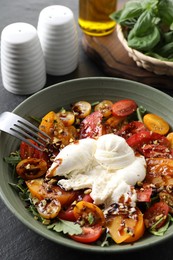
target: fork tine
<point>35,134</point>
<point>27,124</point>
<point>20,137</point>
<point>21,131</point>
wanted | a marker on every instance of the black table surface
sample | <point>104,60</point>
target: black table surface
<point>17,242</point>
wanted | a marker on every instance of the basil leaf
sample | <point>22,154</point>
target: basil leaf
<point>165,10</point>
<point>144,43</point>
<point>166,50</point>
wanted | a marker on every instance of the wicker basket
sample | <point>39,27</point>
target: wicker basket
<point>149,63</point>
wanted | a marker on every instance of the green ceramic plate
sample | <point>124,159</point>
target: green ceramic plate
<point>62,95</point>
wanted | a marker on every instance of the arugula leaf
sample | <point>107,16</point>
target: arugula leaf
<point>13,158</point>
<point>163,229</point>
<point>67,227</point>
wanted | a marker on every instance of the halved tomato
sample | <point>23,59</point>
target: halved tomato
<point>89,234</point>
<point>31,168</point>
<point>48,209</point>
<point>156,124</point>
<point>89,213</point>
<point>124,107</point>
<point>157,213</point>
<point>104,107</point>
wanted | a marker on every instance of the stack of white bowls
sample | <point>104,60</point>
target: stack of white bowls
<point>22,61</point>
<point>59,39</point>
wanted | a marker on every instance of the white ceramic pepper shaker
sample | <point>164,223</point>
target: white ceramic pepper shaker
<point>22,61</point>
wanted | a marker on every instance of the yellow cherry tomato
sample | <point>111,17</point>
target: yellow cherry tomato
<point>170,138</point>
<point>156,124</point>
<point>67,117</point>
<point>104,107</point>
<point>81,109</point>
<point>89,213</point>
<point>48,209</point>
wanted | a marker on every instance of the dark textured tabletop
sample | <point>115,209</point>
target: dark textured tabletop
<point>17,242</point>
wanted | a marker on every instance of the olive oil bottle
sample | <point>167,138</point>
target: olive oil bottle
<point>94,16</point>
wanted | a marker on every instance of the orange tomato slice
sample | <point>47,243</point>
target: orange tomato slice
<point>51,124</point>
<point>156,124</point>
<point>43,190</point>
<point>124,229</point>
<point>139,229</point>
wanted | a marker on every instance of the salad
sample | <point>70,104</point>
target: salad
<point>106,175</point>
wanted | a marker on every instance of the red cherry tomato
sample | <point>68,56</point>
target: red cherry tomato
<point>67,214</point>
<point>158,211</point>
<point>124,107</point>
<point>89,234</point>
<point>92,126</point>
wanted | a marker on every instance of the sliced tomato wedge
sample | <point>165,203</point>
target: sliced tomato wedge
<point>92,126</point>
<point>157,213</point>
<point>27,151</point>
<point>131,128</point>
<point>89,234</point>
<point>124,107</point>
<point>156,150</point>
<point>144,194</point>
<point>145,137</point>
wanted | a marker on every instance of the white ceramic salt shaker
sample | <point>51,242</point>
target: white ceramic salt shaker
<point>59,39</point>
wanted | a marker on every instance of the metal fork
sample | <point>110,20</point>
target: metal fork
<point>23,130</point>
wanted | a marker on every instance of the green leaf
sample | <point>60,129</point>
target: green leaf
<point>165,10</point>
<point>162,230</point>
<point>131,10</point>
<point>140,113</point>
<point>67,227</point>
<point>13,158</point>
<point>144,43</point>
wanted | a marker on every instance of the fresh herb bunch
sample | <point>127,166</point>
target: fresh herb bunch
<point>148,26</point>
